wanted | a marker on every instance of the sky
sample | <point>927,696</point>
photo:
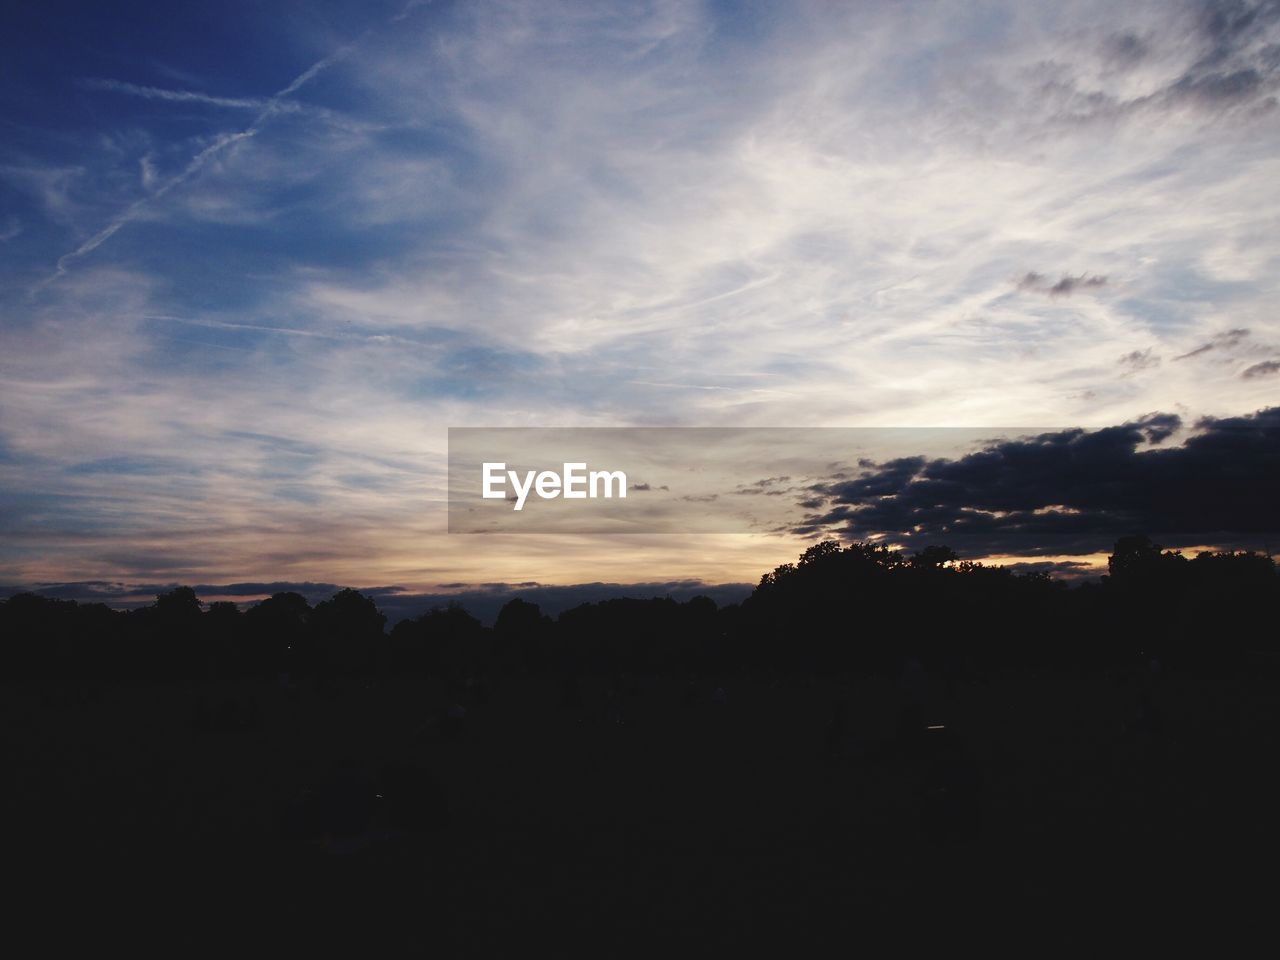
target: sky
<point>257,258</point>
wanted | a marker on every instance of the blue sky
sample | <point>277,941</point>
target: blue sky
<point>256,258</point>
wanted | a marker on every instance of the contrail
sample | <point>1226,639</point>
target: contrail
<point>268,109</point>
<point>131,212</point>
<point>310,72</point>
<point>175,96</point>
<point>337,336</point>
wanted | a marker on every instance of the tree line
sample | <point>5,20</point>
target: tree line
<point>862,606</point>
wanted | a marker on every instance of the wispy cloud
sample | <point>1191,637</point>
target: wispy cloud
<point>1136,360</point>
<point>267,109</point>
<point>605,214</point>
<point>175,96</point>
<point>135,209</point>
<point>1221,341</point>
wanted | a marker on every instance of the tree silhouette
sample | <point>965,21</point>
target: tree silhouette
<point>521,633</point>
<point>279,639</point>
<point>348,628</point>
<point>443,641</point>
<point>857,606</point>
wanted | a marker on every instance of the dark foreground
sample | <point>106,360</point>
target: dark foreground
<point>640,814</point>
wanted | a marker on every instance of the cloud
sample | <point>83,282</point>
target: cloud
<point>1264,369</point>
<point>1221,341</point>
<point>267,109</point>
<point>1137,360</point>
<point>497,214</point>
<point>1209,57</point>
<point>136,209</point>
<point>1072,491</point>
<point>1063,287</point>
<point>1126,49</point>
<point>176,96</point>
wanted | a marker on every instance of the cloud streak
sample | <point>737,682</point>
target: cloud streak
<point>175,96</point>
<point>267,109</point>
<point>1222,341</point>
<point>518,214</point>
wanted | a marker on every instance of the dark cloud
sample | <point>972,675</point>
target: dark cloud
<point>1221,341</point>
<point>122,594</point>
<point>1140,360</point>
<point>1126,49</point>
<point>1216,89</point>
<point>1235,65</point>
<point>89,591</point>
<point>1064,287</point>
<point>762,487</point>
<point>1230,27</point>
<point>1068,285</point>
<point>1264,369</point>
<point>1071,491</point>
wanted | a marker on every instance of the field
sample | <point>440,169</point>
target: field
<point>643,813</point>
